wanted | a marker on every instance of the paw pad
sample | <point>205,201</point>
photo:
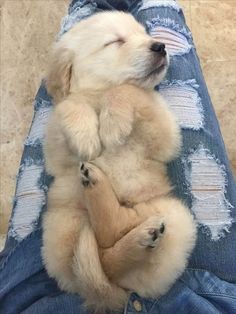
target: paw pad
<point>154,235</point>
<point>87,176</point>
<point>162,228</point>
<point>84,175</point>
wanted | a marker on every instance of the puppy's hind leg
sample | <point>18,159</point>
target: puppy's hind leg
<point>62,223</point>
<point>60,231</point>
<point>94,286</point>
<point>135,247</point>
<point>110,221</point>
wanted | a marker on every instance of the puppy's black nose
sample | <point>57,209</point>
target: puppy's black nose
<point>160,48</point>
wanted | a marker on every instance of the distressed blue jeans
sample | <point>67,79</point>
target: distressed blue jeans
<point>201,176</point>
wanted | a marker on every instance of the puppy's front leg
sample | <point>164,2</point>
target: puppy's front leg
<point>116,117</point>
<point>80,126</point>
<point>158,130</point>
<point>110,221</point>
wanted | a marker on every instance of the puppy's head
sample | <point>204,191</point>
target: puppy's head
<point>104,50</point>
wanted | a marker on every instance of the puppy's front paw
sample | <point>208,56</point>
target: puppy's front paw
<point>88,147</point>
<point>151,232</point>
<point>87,178</point>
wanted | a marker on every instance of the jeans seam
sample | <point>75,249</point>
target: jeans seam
<point>218,294</point>
<point>208,271</point>
<point>208,302</point>
<point>208,293</point>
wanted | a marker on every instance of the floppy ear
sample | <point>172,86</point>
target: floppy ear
<point>59,75</point>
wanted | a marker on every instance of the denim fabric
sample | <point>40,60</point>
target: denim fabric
<point>201,176</point>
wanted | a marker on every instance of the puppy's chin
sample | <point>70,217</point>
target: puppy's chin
<point>153,78</point>
<point>154,74</point>
<point>157,74</point>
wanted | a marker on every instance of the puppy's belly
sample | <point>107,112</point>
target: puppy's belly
<point>134,179</point>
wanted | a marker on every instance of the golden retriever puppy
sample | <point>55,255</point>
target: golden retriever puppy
<point>102,77</point>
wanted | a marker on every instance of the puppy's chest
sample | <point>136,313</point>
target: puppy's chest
<point>129,174</point>
<point>121,162</point>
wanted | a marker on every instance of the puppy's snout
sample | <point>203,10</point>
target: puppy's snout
<point>160,48</point>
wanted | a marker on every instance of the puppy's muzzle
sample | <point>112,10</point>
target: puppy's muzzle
<point>159,48</point>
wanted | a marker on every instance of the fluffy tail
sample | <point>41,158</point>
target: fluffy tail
<point>100,295</point>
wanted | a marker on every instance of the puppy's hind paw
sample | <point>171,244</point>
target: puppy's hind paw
<point>155,233</point>
<point>151,233</point>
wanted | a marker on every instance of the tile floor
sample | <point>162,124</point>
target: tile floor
<point>28,27</point>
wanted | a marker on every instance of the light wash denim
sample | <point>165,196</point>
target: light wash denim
<point>201,176</point>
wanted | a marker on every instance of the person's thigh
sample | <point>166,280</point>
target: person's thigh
<point>202,174</point>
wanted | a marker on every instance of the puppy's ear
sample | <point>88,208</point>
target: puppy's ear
<point>59,75</point>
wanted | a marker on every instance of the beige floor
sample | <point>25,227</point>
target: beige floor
<point>28,27</point>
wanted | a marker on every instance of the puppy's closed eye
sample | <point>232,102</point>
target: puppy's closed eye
<point>119,41</point>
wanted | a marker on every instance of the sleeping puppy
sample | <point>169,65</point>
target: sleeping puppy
<point>102,76</point>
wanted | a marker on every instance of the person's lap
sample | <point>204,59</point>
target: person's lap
<point>201,175</point>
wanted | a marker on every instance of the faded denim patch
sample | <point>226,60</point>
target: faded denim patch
<point>41,116</point>
<point>29,200</point>
<point>208,182</point>
<point>174,36</point>
<point>79,11</point>
<point>184,100</point>
<point>147,4</point>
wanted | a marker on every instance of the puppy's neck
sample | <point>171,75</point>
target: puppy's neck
<point>91,93</point>
<point>89,96</point>
<point>84,83</point>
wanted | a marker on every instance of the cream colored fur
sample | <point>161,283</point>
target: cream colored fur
<point>106,111</point>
